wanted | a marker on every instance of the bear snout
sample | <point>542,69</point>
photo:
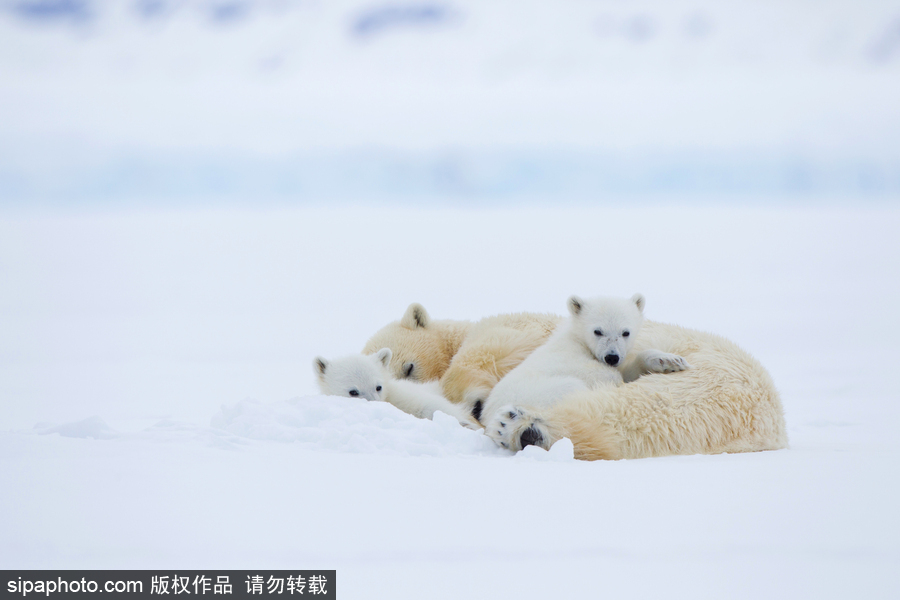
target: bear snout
<point>611,359</point>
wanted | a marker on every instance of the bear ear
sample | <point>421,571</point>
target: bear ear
<point>384,355</point>
<point>415,317</point>
<point>640,301</point>
<point>575,305</point>
<point>320,365</point>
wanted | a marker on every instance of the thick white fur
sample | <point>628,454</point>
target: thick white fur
<point>582,354</point>
<point>468,358</point>
<point>369,377</point>
<point>572,359</point>
<point>726,401</point>
<point>422,347</point>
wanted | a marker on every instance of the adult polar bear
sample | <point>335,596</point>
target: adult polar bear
<point>726,401</point>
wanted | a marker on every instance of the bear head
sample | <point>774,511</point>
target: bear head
<point>419,346</point>
<point>607,326</point>
<point>356,376</point>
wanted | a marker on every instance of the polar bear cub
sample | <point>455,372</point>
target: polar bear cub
<point>589,350</point>
<point>367,376</point>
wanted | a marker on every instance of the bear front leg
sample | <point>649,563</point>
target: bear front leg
<point>514,428</point>
<point>653,361</point>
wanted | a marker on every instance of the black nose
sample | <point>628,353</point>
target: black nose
<point>611,359</point>
<point>531,437</point>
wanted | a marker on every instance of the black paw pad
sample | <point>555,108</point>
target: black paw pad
<point>531,437</point>
<point>476,410</point>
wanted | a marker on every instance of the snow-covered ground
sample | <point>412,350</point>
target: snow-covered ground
<point>159,407</point>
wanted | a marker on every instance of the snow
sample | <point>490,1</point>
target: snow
<point>347,425</point>
<point>199,196</point>
<point>160,411</point>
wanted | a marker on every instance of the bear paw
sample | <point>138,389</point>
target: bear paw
<point>514,428</point>
<point>664,362</point>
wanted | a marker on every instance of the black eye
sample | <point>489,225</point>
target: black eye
<point>626,333</point>
<point>353,393</point>
<point>598,333</point>
<point>408,370</point>
<point>378,388</point>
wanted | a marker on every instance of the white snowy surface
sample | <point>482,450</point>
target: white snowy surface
<point>159,408</point>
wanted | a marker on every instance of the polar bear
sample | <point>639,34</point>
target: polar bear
<point>468,358</point>
<point>361,376</point>
<point>585,352</point>
<point>726,401</point>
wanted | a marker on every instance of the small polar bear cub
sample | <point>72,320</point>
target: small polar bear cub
<point>366,376</point>
<point>590,349</point>
<point>582,353</point>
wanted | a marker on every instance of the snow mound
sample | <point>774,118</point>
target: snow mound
<point>92,427</point>
<point>328,423</point>
<point>561,451</point>
<point>350,425</point>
